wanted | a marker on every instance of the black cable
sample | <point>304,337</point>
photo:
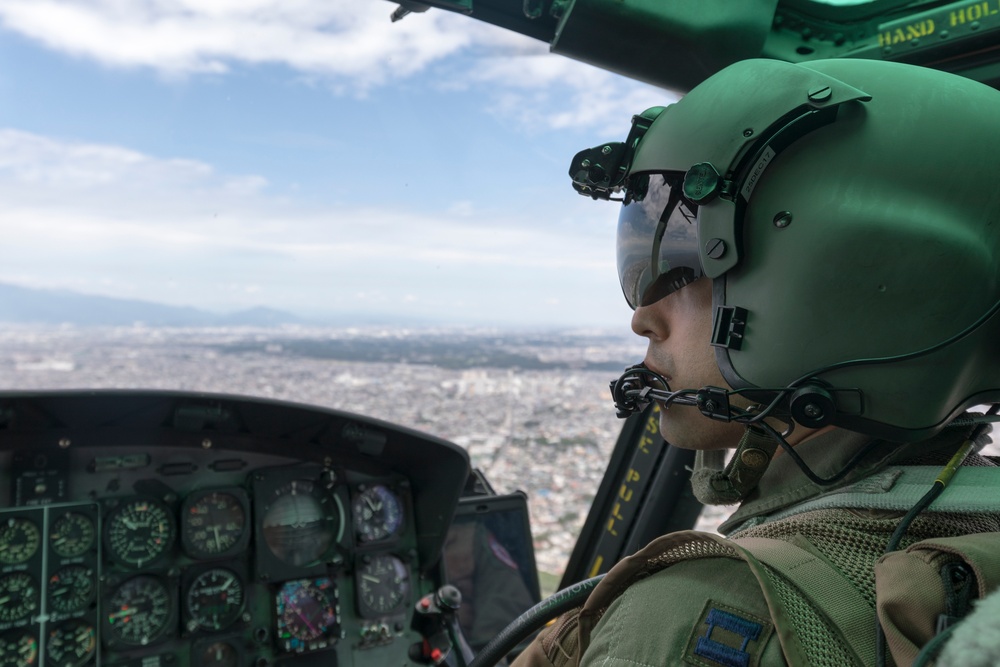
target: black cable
<point>936,490</point>
<point>532,620</point>
<point>822,481</point>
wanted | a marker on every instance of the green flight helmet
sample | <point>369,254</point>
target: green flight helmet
<point>848,212</point>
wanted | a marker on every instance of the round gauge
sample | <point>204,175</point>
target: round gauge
<point>383,583</point>
<point>301,523</point>
<point>72,535</point>
<point>19,540</point>
<point>140,531</point>
<point>71,644</point>
<point>219,654</point>
<point>139,611</point>
<point>213,524</point>
<point>214,600</point>
<point>18,649</point>
<point>72,588</point>
<point>18,597</point>
<point>307,613</point>
<point>378,513</point>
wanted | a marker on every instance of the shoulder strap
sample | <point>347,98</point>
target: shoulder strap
<point>680,546</point>
<point>825,587</point>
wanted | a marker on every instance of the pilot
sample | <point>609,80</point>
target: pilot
<point>813,253</point>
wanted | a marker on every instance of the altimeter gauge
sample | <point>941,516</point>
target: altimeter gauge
<point>19,540</point>
<point>139,532</point>
<point>215,524</point>
<point>377,513</point>
<point>139,611</point>
<point>383,585</point>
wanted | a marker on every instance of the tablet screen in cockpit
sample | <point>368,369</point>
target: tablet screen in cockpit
<point>489,557</point>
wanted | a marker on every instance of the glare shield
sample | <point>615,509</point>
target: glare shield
<point>657,240</point>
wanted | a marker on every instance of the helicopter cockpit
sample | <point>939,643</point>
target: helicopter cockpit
<point>172,529</point>
<point>151,528</point>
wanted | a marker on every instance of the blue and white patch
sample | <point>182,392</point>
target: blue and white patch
<point>728,637</point>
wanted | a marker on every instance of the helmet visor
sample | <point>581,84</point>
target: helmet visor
<point>658,249</point>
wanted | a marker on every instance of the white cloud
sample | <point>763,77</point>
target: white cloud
<point>177,37</point>
<point>111,220</point>
<point>349,45</point>
<point>545,91</point>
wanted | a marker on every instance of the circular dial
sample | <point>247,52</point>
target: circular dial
<point>18,649</point>
<point>19,540</point>
<point>72,535</point>
<point>72,588</point>
<point>301,523</point>
<point>307,614</point>
<point>383,583</point>
<point>213,524</point>
<point>139,610</point>
<point>214,600</point>
<point>71,644</point>
<point>219,654</point>
<point>140,531</point>
<point>378,513</point>
<point>18,597</point>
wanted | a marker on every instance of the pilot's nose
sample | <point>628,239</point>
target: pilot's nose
<point>649,323</point>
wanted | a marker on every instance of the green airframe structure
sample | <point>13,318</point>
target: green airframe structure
<point>676,44</point>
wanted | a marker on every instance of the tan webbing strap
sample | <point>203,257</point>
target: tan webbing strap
<point>651,559</point>
<point>825,587</point>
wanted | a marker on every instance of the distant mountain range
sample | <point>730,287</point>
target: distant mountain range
<point>40,306</point>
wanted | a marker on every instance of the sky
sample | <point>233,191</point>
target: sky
<point>307,155</point>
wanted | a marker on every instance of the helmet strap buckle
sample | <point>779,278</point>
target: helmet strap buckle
<point>714,485</point>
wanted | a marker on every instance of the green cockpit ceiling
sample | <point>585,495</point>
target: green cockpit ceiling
<point>676,44</point>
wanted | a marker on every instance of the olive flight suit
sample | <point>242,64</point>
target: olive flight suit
<point>699,599</point>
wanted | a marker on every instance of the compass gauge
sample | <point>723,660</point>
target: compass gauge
<point>307,615</point>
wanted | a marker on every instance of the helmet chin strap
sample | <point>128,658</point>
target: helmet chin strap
<point>714,484</point>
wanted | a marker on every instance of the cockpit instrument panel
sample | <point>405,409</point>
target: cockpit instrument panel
<point>158,529</point>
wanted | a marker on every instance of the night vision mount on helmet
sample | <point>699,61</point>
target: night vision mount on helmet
<point>847,214</point>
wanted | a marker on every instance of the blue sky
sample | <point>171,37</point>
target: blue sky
<point>307,155</point>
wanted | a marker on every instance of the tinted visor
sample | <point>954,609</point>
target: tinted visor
<point>657,240</point>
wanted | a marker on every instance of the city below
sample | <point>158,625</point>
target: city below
<point>533,410</point>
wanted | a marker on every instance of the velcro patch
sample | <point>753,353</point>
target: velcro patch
<point>728,637</point>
